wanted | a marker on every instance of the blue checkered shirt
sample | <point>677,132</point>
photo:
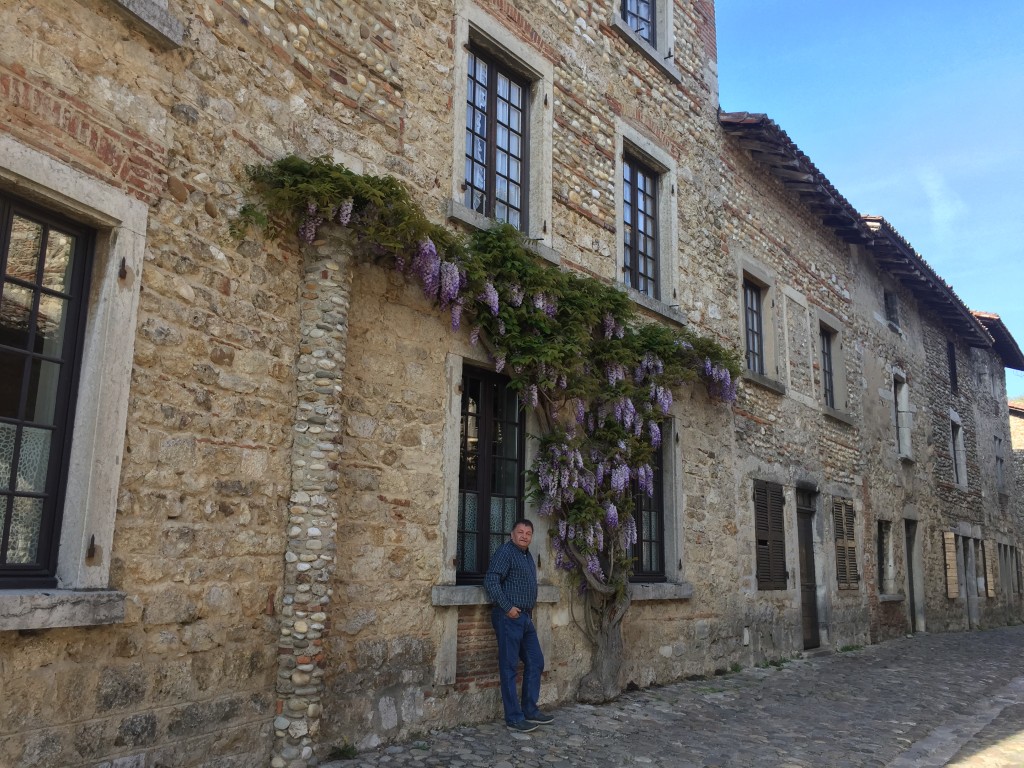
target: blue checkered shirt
<point>511,579</point>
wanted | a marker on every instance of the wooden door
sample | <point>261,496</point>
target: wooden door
<point>808,583</point>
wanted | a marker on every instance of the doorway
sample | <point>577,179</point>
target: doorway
<point>808,583</point>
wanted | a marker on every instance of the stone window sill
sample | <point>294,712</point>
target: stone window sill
<point>468,216</point>
<point>840,416</point>
<point>52,608</point>
<point>895,597</point>
<point>660,60</point>
<point>155,20</point>
<point>639,592</point>
<point>658,307</point>
<point>906,458</point>
<point>471,594</point>
<point>761,380</point>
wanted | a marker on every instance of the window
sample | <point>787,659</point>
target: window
<point>501,144</point>
<point>901,414</point>
<point>843,521</point>
<point>892,309</point>
<point>828,387</point>
<point>997,448</point>
<point>43,284</point>
<point>496,105</point>
<point>640,15</point>
<point>753,325</point>
<point>957,451</point>
<point>640,226</point>
<point>649,513</point>
<point>490,470</point>
<point>886,568</point>
<point>769,531</point>
<point>951,362</point>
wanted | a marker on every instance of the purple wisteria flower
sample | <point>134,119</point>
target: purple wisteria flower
<point>611,515</point>
<point>490,298</point>
<point>499,362</point>
<point>456,315</point>
<point>343,213</point>
<point>655,431</point>
<point>515,295</point>
<point>427,265</point>
<point>449,278</point>
<point>311,223</point>
<point>474,335</point>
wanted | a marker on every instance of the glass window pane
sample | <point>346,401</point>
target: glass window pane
<point>10,384</point>
<point>50,322</point>
<point>42,395</point>
<point>26,522</point>
<point>503,84</point>
<point>8,433</point>
<point>16,315</point>
<point>33,460</point>
<point>60,249</point>
<point>23,255</point>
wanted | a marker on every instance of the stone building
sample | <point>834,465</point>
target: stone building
<point>231,468</point>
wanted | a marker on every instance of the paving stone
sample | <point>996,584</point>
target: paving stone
<point>918,702</point>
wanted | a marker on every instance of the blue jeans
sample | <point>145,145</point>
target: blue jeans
<point>517,641</point>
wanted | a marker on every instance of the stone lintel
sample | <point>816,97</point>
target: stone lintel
<point>50,608</point>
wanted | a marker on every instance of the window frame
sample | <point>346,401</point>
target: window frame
<point>844,529</point>
<point>120,220</point>
<point>769,508</point>
<point>475,28</point>
<point>954,384</point>
<point>485,474</point>
<point>497,68</point>
<point>645,507</point>
<point>891,307</point>
<point>634,275</point>
<point>828,386</point>
<point>958,450</point>
<point>753,290</point>
<point>42,573</point>
<point>658,49</point>
<point>902,415</point>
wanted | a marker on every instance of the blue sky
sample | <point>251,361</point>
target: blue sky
<point>914,110</point>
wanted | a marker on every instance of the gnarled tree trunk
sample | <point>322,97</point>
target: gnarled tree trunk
<point>604,630</point>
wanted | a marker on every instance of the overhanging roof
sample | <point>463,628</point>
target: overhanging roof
<point>769,144</point>
<point>1003,342</point>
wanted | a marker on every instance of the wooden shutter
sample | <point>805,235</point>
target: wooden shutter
<point>952,584</point>
<point>844,522</point>
<point>769,531</point>
<point>987,552</point>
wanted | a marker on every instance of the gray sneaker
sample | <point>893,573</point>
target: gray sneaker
<point>523,726</point>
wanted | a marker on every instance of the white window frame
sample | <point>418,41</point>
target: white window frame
<point>97,438</point>
<point>629,140</point>
<point>476,26</point>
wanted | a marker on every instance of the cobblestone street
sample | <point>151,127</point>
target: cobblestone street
<point>931,700</point>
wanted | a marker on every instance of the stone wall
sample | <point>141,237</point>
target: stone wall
<point>284,530</point>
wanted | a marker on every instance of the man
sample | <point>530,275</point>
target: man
<point>511,583</point>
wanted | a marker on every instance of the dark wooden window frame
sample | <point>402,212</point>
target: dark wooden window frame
<point>892,307</point>
<point>41,573</point>
<point>844,520</point>
<point>649,514</point>
<point>828,388</point>
<point>770,534</point>
<point>645,25</point>
<point>485,199</point>
<point>484,535</point>
<point>753,314</point>
<point>641,252</point>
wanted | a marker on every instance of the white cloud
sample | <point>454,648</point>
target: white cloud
<point>946,207</point>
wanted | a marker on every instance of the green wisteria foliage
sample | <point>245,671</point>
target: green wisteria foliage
<point>573,346</point>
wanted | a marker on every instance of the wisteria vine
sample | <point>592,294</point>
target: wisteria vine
<point>572,346</point>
